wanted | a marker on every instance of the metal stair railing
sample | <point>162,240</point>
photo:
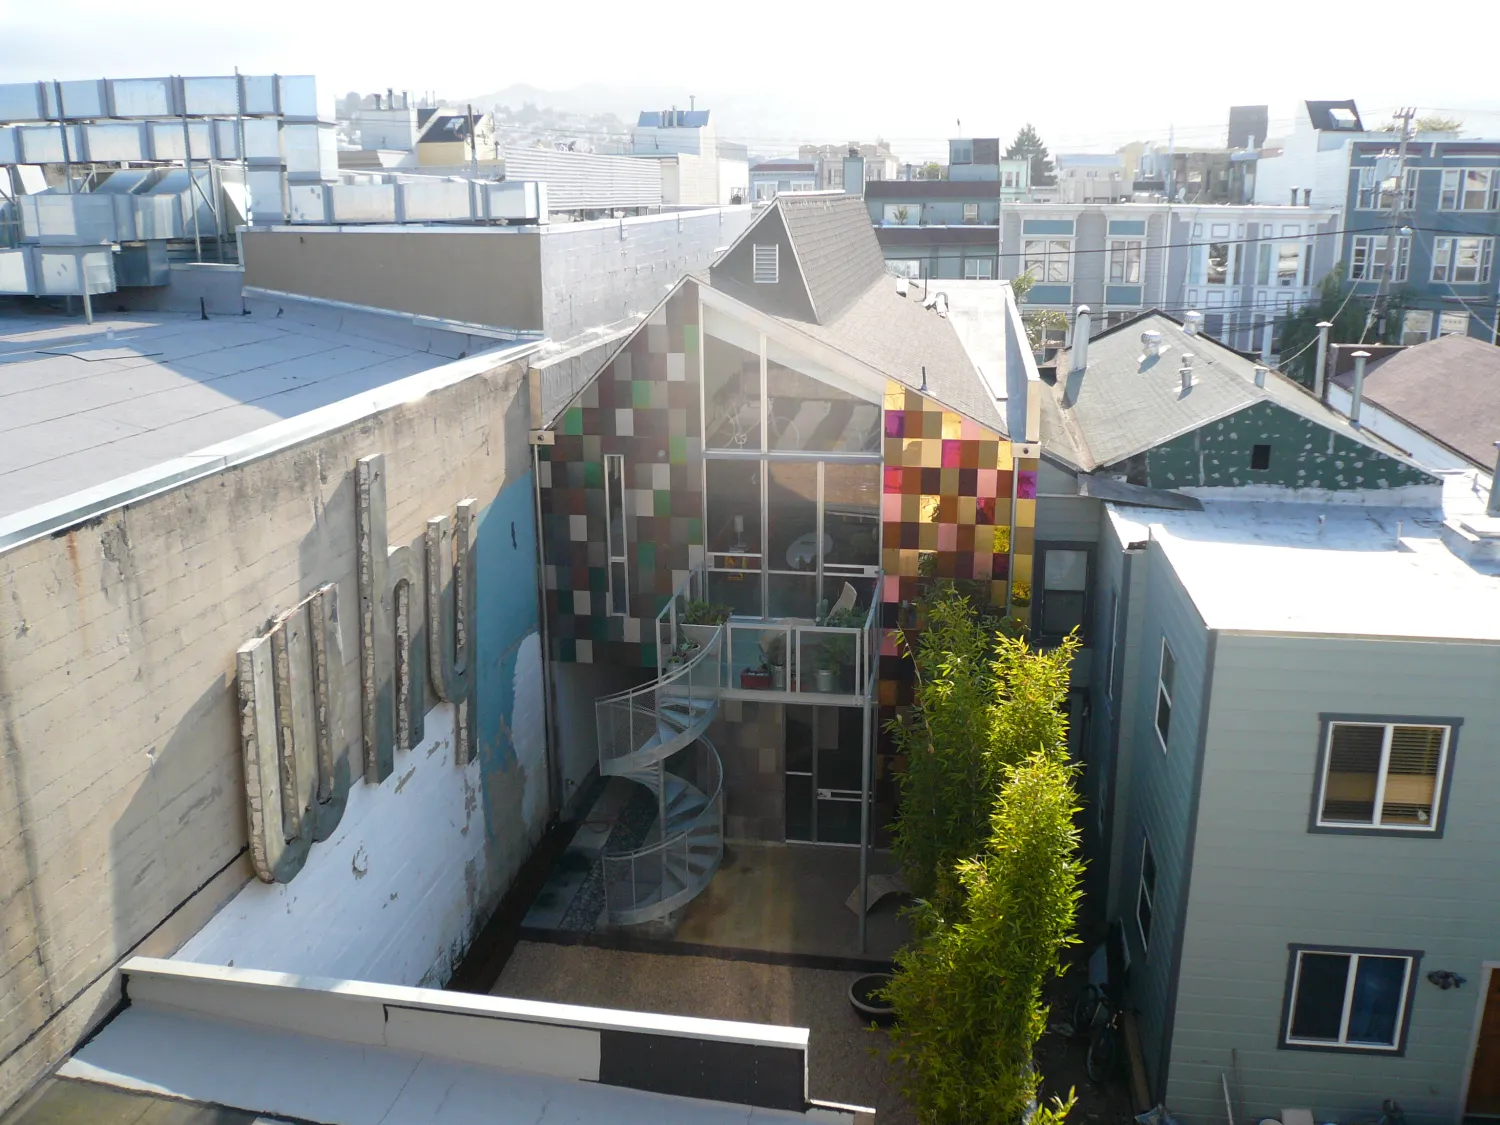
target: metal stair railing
<point>652,722</point>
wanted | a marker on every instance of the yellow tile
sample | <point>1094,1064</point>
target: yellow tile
<point>966,509</point>
<point>1025,513</point>
<point>932,453</point>
<point>1020,567</point>
<point>953,425</point>
<point>908,564</point>
<point>1006,459</point>
<point>929,508</point>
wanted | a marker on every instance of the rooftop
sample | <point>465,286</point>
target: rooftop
<point>1127,402</point>
<point>81,405</point>
<point>1266,566</point>
<point>672,119</point>
<point>1448,388</point>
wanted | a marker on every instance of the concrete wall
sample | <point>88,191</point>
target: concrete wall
<point>484,276</point>
<point>599,273</point>
<point>122,797</point>
<point>1261,880</point>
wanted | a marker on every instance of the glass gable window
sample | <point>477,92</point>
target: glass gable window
<point>731,383</point>
<point>851,517</point>
<point>811,408</point>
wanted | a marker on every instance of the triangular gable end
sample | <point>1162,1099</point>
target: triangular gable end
<point>735,272</point>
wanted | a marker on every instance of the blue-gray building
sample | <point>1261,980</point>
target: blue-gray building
<point>1444,263</point>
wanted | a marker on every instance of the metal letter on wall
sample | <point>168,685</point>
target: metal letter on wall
<point>290,686</point>
<point>451,613</point>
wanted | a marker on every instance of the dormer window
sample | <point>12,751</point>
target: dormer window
<point>767,265</point>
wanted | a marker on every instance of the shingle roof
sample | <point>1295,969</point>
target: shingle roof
<point>898,337</point>
<point>1124,404</point>
<point>1448,388</point>
<point>447,127</point>
<point>835,246</point>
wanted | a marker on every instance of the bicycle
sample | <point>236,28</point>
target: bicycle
<point>1096,1016</point>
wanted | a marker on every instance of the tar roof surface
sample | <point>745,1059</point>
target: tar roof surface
<point>78,409</point>
<point>1327,568</point>
<point>1126,403</point>
<point>1448,388</point>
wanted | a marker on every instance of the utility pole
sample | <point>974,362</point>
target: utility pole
<point>473,142</point>
<point>1391,258</point>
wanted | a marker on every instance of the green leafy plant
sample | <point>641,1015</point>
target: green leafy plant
<point>984,699</point>
<point>1020,592</point>
<point>968,997</point>
<point>1028,145</point>
<point>1040,324</point>
<point>775,650</point>
<point>703,613</point>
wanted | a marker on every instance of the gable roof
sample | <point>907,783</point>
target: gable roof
<point>835,245</point>
<point>1448,388</point>
<point>447,127</point>
<point>1322,117</point>
<point>1124,404</point>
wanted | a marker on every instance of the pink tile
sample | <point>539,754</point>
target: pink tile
<point>890,507</point>
<point>892,588</point>
<point>987,481</point>
<point>947,537</point>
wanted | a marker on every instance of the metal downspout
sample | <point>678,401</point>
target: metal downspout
<point>549,728</point>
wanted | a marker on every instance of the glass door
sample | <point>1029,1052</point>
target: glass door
<point>824,752</point>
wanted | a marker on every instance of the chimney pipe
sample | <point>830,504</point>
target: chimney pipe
<point>1186,371</point>
<point>1081,339</point>
<point>1321,368</point>
<point>1493,508</point>
<point>1260,375</point>
<point>1294,196</point>
<point>1191,322</point>
<point>1307,197</point>
<point>1359,385</point>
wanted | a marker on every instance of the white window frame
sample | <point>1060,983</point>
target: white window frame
<point>1163,691</point>
<point>1142,892</point>
<point>971,212</point>
<point>1354,955</point>
<point>765,263</point>
<point>1373,824</point>
<point>1452,195</point>
<point>978,269</point>
<point>905,267</point>
<point>616,552</point>
<point>1053,255</point>
<point>1454,326</point>
<point>1370,196</point>
<point>1367,254</point>
<point>1445,259</point>
<point>1126,254</point>
<point>1408,333</point>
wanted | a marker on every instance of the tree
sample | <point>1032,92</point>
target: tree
<point>1028,145</point>
<point>349,105</point>
<point>984,701</point>
<point>1427,123</point>
<point>1037,324</point>
<point>932,170</point>
<point>1352,322</point>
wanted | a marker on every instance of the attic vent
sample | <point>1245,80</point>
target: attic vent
<point>767,265</point>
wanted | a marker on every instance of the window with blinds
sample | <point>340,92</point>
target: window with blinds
<point>767,264</point>
<point>1383,775</point>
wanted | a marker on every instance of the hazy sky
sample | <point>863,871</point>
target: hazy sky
<point>1091,76</point>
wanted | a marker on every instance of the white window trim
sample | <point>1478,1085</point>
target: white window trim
<point>1142,892</point>
<point>1373,824</point>
<point>1446,249</point>
<point>1046,259</point>
<point>1114,645</point>
<point>1342,1043</point>
<point>758,258</point>
<point>615,552</point>
<point>1123,247</point>
<point>1161,690</point>
<point>1491,192</point>
<point>968,207</point>
<point>1372,246</point>
<point>974,273</point>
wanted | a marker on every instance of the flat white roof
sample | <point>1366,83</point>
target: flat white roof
<point>1337,568</point>
<point>81,405</point>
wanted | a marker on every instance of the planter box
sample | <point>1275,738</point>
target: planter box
<point>700,635</point>
<point>757,681</point>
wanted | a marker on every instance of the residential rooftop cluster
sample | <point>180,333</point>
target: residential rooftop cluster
<point>451,594</point>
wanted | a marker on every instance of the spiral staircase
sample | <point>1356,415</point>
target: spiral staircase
<point>653,735</point>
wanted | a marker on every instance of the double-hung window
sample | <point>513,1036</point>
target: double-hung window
<point>978,269</point>
<point>971,212</point>
<point>615,545</point>
<point>1470,189</point>
<point>1164,679</point>
<point>1367,258</point>
<point>1048,259</point>
<point>1348,999</point>
<point>1218,263</point>
<point>1377,195</point>
<point>1462,261</point>
<point>1145,897</point>
<point>1386,776</point>
<point>1125,260</point>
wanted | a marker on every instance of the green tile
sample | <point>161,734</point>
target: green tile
<point>593,474</point>
<point>677,450</point>
<point>690,342</point>
<point>572,422</point>
<point>645,556</point>
<point>640,394</point>
<point>695,531</point>
<point>598,583</point>
<point>565,601</point>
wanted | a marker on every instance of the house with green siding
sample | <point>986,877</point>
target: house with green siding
<point>1286,713</point>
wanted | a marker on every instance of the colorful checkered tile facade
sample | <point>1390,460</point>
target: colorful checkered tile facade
<point>947,512</point>
<point>644,406</point>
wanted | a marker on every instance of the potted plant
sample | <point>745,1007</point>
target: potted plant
<point>756,679</point>
<point>775,650</point>
<point>700,621</point>
<point>827,675</point>
<point>837,654</point>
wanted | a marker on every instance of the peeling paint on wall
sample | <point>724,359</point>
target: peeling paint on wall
<point>384,898</point>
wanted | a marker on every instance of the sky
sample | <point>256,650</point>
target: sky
<point>1091,76</point>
